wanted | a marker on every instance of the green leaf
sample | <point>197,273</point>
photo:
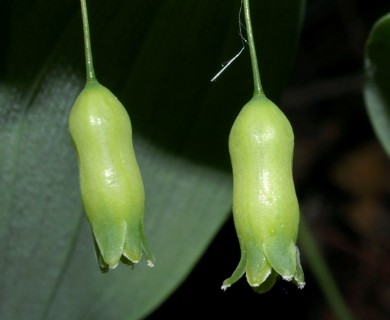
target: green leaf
<point>158,57</point>
<point>377,80</point>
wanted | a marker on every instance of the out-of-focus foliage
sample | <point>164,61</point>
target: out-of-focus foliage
<point>377,80</point>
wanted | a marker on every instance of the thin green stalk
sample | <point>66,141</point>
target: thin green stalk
<point>87,43</point>
<point>322,273</point>
<point>258,89</point>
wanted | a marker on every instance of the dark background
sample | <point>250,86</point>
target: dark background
<point>342,178</point>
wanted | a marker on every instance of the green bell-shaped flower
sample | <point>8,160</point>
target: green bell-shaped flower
<point>111,184</point>
<point>265,206</point>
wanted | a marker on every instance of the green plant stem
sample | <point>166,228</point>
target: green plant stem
<point>258,89</point>
<point>322,273</point>
<point>87,43</point>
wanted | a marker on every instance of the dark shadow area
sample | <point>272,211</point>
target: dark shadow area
<point>342,177</point>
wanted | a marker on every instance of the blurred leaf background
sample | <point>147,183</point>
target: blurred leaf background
<point>158,57</point>
<point>377,79</point>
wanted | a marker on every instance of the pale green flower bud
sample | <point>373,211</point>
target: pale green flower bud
<point>265,206</point>
<point>110,180</point>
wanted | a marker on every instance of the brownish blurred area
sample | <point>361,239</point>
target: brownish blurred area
<point>342,172</point>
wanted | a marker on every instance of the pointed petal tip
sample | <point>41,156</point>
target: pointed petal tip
<point>150,263</point>
<point>225,286</point>
<point>132,262</point>
<point>132,258</point>
<point>109,264</point>
<point>287,278</point>
<point>256,279</point>
<point>150,259</point>
<point>113,266</point>
<point>301,285</point>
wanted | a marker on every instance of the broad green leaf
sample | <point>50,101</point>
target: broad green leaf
<point>377,80</point>
<point>158,57</point>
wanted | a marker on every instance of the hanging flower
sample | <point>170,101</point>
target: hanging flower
<point>265,206</point>
<point>110,180</point>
